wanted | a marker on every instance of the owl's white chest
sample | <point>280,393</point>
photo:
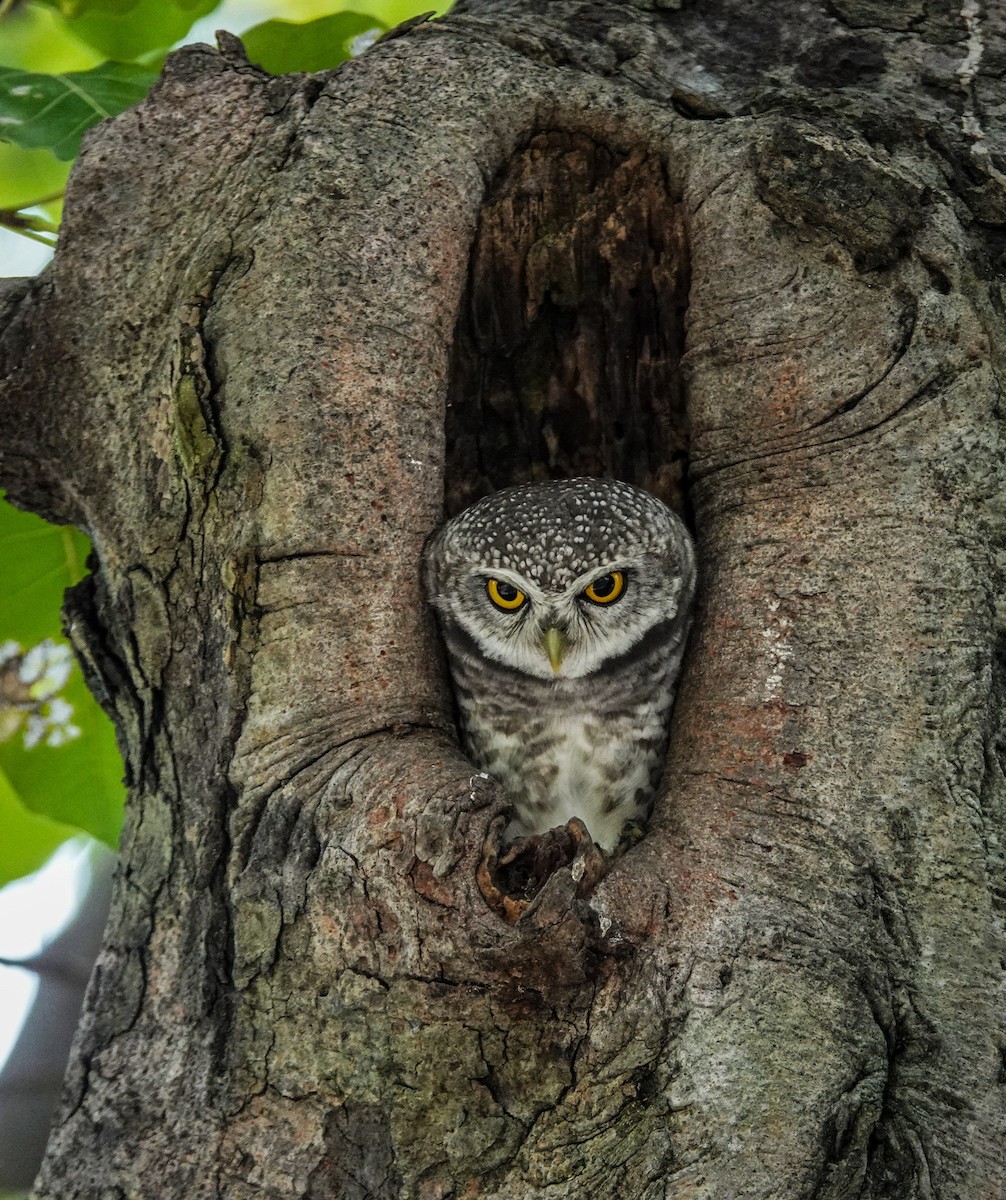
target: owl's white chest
<point>571,764</point>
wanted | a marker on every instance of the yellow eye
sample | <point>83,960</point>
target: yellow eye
<point>607,589</point>
<point>504,595</point>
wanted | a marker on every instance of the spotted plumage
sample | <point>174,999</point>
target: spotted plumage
<point>564,609</point>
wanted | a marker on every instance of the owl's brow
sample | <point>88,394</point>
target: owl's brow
<point>626,565</point>
<point>507,576</point>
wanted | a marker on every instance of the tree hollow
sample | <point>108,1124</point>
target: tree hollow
<point>567,351</point>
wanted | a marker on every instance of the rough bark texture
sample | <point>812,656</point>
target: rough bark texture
<point>747,255</point>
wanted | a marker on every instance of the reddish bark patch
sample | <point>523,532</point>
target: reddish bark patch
<point>429,887</point>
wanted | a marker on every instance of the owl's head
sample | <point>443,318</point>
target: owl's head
<point>558,579</point>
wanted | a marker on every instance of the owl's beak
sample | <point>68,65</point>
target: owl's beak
<point>554,641</point>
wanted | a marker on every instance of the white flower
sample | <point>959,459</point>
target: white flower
<point>34,731</point>
<point>44,716</point>
<point>45,669</point>
<point>60,711</point>
<point>60,735</point>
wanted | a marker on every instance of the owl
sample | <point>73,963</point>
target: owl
<point>564,609</point>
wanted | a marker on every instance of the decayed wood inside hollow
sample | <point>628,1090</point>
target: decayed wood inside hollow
<point>567,352</point>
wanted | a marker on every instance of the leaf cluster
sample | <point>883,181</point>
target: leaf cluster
<point>50,792</point>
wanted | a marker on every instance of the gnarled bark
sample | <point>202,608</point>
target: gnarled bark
<point>746,258</point>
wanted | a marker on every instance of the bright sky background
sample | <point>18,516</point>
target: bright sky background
<point>32,911</point>
<point>19,256</point>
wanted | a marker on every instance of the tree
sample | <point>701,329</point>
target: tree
<point>750,259</point>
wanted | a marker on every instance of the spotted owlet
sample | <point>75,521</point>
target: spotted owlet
<point>564,609</point>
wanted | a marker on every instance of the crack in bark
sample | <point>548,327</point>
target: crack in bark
<point>909,320</point>
<point>929,388</point>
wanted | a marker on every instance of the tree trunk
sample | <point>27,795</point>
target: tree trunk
<point>748,256</point>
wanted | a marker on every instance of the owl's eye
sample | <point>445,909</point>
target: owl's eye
<point>607,589</point>
<point>504,595</point>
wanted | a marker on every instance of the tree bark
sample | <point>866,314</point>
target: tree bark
<point>747,256</point>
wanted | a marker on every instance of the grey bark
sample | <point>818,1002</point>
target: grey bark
<point>750,256</point>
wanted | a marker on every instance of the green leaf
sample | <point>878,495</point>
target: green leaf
<point>147,27</point>
<point>28,839</point>
<point>38,39</point>
<point>281,46</point>
<point>393,12</point>
<point>74,8</point>
<point>52,111</point>
<point>27,176</point>
<point>79,783</point>
<point>40,561</point>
